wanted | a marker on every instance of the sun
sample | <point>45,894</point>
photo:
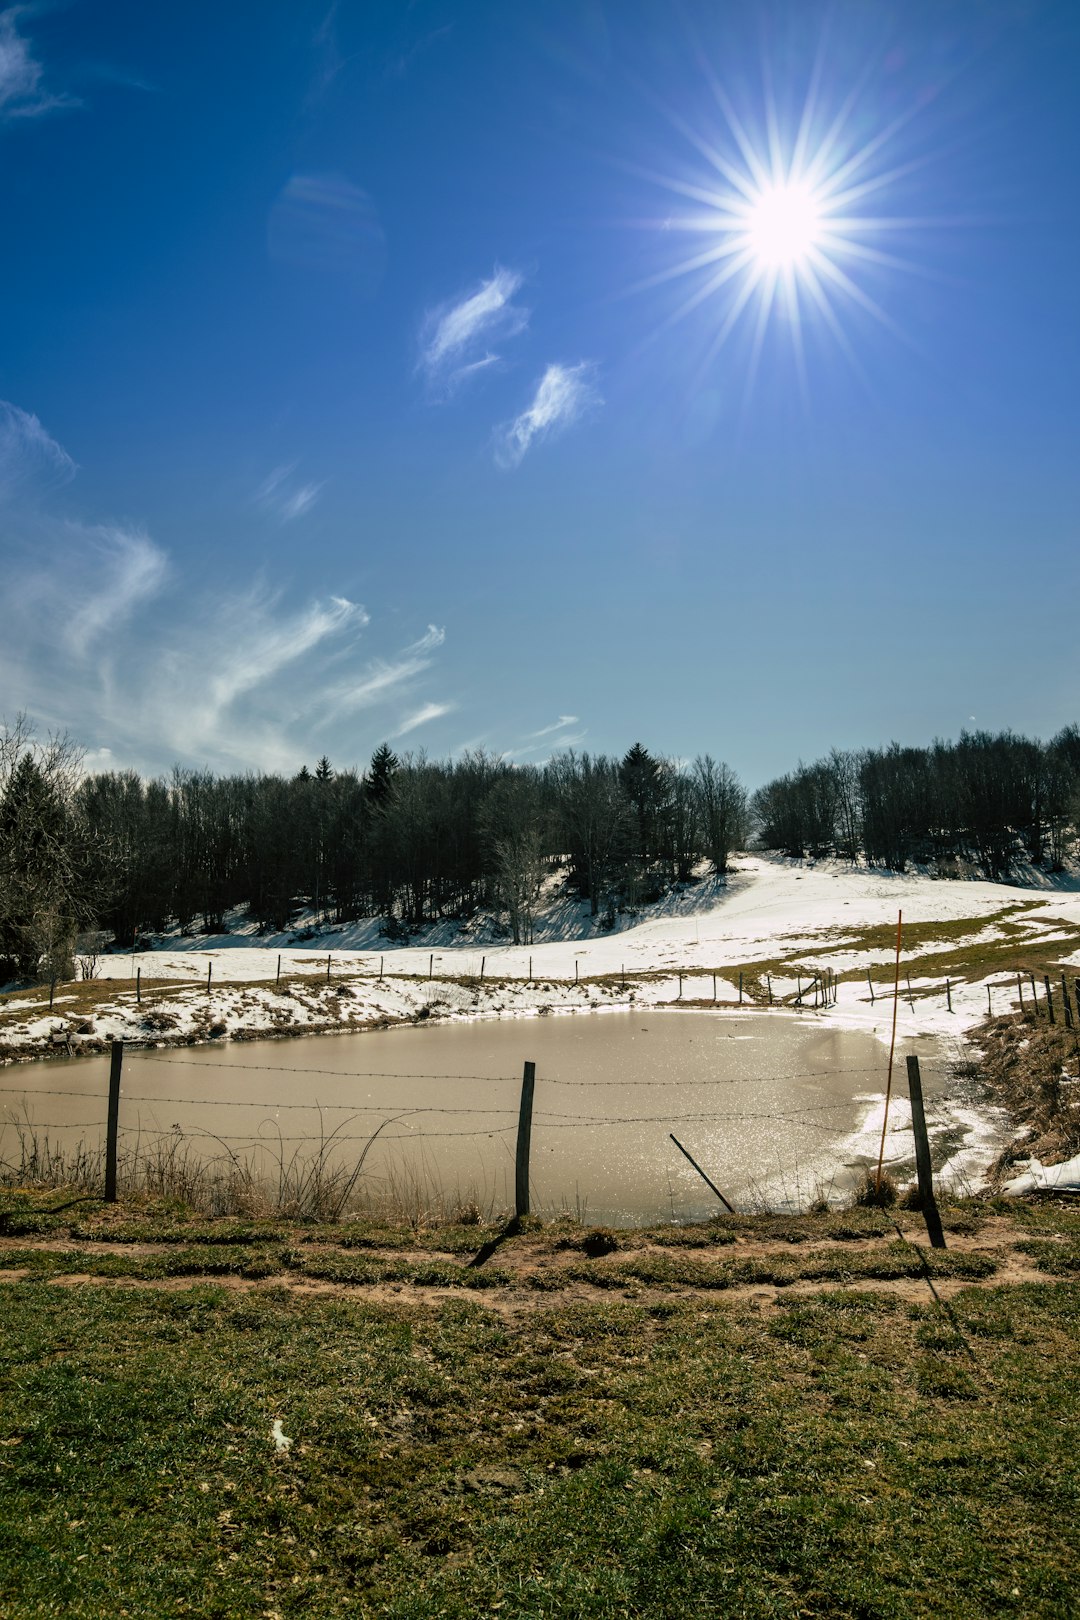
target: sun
<point>784,226</point>
<point>790,217</point>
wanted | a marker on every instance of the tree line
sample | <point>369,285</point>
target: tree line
<point>409,839</point>
<point>987,802</point>
<point>413,840</point>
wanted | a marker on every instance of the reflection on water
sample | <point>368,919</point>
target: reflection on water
<point>774,1108</point>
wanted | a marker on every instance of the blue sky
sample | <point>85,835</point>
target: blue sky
<point>369,372</point>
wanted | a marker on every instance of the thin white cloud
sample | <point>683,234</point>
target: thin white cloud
<point>430,711</point>
<point>285,499</point>
<point>27,452</point>
<point>383,679</point>
<point>105,637</point>
<point>560,724</point>
<point>562,395</point>
<point>120,570</point>
<point>22,93</point>
<point>452,333</point>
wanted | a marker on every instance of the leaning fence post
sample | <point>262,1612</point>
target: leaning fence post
<point>922,1156</point>
<point>1049,998</point>
<point>111,1129</point>
<point>524,1140</point>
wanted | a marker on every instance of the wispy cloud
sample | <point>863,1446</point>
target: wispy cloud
<point>384,678</point>
<point>27,453</point>
<point>280,495</point>
<point>560,734</point>
<point>399,64</point>
<point>561,724</point>
<point>22,92</point>
<point>562,395</point>
<point>430,711</point>
<point>453,334</point>
<point>120,569</point>
<point>103,635</point>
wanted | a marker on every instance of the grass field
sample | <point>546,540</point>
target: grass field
<point>757,1417</point>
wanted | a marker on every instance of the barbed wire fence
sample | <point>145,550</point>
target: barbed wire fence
<point>423,1124</point>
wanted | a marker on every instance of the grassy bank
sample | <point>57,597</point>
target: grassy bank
<point>616,1425</point>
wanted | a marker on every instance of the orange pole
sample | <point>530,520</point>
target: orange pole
<point>892,1049</point>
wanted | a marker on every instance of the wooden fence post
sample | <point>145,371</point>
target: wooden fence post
<point>922,1156</point>
<point>111,1128</point>
<point>524,1140</point>
<point>1049,998</point>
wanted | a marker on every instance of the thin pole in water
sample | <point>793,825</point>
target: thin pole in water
<point>892,1048</point>
<point>701,1173</point>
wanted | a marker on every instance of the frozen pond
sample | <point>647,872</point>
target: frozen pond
<point>777,1109</point>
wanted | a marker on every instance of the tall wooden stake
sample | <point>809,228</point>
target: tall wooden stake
<point>922,1156</point>
<point>112,1125</point>
<point>892,1048</point>
<point>524,1141</point>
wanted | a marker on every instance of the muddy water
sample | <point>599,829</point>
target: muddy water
<point>774,1108</point>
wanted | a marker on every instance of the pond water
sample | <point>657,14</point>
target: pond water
<point>776,1109</point>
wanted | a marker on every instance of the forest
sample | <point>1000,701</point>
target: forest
<point>411,840</point>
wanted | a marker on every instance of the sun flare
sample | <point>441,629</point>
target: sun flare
<point>784,226</point>
<point>794,218</point>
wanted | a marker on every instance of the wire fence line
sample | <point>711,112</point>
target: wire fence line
<point>267,1149</point>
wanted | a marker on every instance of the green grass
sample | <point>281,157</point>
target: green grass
<point>848,1455</point>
